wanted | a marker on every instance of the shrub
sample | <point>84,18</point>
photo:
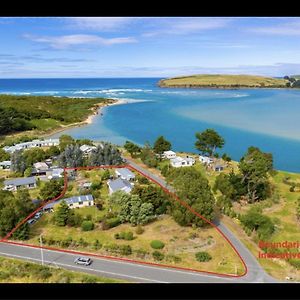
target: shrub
<point>128,236</point>
<point>158,255</point>
<point>156,244</point>
<point>97,245</point>
<point>87,225</point>
<point>141,253</point>
<point>173,258</point>
<point>139,229</point>
<point>110,223</point>
<point>203,256</point>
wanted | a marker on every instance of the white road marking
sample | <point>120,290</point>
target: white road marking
<point>90,269</point>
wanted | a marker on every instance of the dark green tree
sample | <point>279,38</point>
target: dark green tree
<point>255,167</point>
<point>51,189</point>
<point>18,163</point>
<point>61,214</point>
<point>105,154</point>
<point>71,157</point>
<point>34,155</point>
<point>132,148</point>
<point>208,141</point>
<point>161,145</point>
<point>4,155</point>
<point>193,188</point>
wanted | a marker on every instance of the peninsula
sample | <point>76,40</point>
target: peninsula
<point>223,81</point>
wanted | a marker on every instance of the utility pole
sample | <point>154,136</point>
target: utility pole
<point>42,254</point>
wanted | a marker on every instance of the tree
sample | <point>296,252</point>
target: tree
<point>105,154</point>
<point>52,151</point>
<point>4,155</point>
<point>148,157</point>
<point>192,187</point>
<point>298,209</point>
<point>64,141</point>
<point>61,214</point>
<point>208,141</point>
<point>27,172</point>
<point>105,175</point>
<point>71,157</point>
<point>51,189</point>
<point>34,155</point>
<point>161,145</point>
<point>18,163</point>
<point>132,148</point>
<point>255,167</point>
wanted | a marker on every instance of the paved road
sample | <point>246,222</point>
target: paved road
<point>111,268</point>
<point>255,272</point>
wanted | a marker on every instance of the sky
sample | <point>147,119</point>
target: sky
<point>61,47</point>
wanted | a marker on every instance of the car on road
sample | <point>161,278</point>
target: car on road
<point>83,261</point>
<point>38,215</point>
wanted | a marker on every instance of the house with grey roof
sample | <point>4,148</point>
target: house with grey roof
<point>87,149</point>
<point>119,184</point>
<point>23,182</point>
<point>73,202</point>
<point>5,165</point>
<point>124,173</point>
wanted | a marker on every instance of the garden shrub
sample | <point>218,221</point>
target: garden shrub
<point>97,245</point>
<point>124,235</point>
<point>87,225</point>
<point>156,244</point>
<point>110,223</point>
<point>158,255</point>
<point>203,256</point>
<point>173,258</point>
<point>139,229</point>
<point>141,253</point>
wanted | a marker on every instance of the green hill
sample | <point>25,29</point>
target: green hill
<point>223,81</point>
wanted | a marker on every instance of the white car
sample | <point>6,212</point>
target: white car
<point>83,261</point>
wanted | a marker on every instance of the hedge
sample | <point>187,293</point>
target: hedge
<point>203,256</point>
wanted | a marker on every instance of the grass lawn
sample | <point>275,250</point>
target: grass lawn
<point>18,271</point>
<point>46,124</point>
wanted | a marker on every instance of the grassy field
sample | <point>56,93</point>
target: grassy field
<point>17,271</point>
<point>223,81</point>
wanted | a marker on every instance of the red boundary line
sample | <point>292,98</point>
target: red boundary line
<point>5,239</point>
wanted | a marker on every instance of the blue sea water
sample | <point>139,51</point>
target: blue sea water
<point>266,118</point>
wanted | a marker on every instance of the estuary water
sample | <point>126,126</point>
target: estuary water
<point>266,118</point>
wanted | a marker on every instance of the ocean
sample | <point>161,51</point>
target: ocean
<point>265,118</point>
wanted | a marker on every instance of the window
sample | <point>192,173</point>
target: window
<point>80,202</point>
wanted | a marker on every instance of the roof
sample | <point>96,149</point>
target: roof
<point>20,181</point>
<point>85,148</point>
<point>5,163</point>
<point>169,152</point>
<point>41,165</point>
<point>125,172</point>
<point>71,200</point>
<point>118,184</point>
<point>179,159</point>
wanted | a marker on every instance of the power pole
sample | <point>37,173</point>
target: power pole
<point>42,254</point>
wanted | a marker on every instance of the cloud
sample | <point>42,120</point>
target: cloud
<point>66,41</point>
<point>99,23</point>
<point>179,26</point>
<point>291,28</point>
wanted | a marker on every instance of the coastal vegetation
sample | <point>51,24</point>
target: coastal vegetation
<point>223,81</point>
<point>43,113</point>
<point>17,271</point>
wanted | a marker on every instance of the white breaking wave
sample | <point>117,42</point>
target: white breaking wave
<point>130,100</point>
<point>110,91</point>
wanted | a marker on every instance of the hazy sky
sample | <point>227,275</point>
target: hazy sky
<point>148,47</point>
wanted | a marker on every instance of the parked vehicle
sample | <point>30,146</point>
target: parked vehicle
<point>31,221</point>
<point>38,215</point>
<point>83,261</point>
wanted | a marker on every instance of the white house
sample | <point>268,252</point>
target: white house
<point>119,184</point>
<point>87,149</point>
<point>124,173</point>
<point>41,166</point>
<point>73,202</point>
<point>14,184</point>
<point>31,144</point>
<point>169,154</point>
<point>205,159</point>
<point>182,161</point>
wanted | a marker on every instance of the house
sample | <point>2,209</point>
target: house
<point>124,173</point>
<point>205,160</point>
<point>73,202</point>
<point>169,154</point>
<point>32,144</point>
<point>119,184</point>
<point>41,166</point>
<point>5,165</point>
<point>87,149</point>
<point>55,172</point>
<point>218,168</point>
<point>14,184</point>
<point>182,161</point>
